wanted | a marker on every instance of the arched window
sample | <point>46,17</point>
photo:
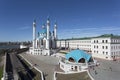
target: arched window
<point>71,59</point>
<point>90,60</point>
<point>82,60</point>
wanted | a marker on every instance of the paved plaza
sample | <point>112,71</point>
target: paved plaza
<point>46,64</point>
<point>108,70</point>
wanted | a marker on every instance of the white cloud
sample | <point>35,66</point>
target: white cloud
<point>24,28</point>
<point>110,28</point>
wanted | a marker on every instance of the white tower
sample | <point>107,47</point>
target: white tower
<point>34,33</point>
<point>55,30</point>
<point>55,34</point>
<point>48,30</point>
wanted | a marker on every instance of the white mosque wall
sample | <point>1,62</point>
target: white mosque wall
<point>39,51</point>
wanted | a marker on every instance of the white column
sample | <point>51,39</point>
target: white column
<point>48,26</point>
<point>55,31</point>
<point>34,33</point>
<point>36,43</point>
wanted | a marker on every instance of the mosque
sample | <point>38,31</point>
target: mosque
<point>45,39</point>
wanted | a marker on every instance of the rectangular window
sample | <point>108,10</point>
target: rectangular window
<point>94,46</point>
<point>97,46</point>
<point>106,53</point>
<point>102,41</point>
<point>97,41</point>
<point>106,41</point>
<point>102,47</point>
<point>103,52</point>
<point>106,47</point>
<point>97,51</point>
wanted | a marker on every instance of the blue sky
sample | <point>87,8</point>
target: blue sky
<point>75,18</point>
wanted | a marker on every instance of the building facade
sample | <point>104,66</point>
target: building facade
<point>43,41</point>
<point>100,47</point>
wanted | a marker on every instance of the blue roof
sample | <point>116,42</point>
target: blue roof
<point>78,54</point>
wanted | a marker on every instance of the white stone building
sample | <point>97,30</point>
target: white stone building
<point>44,41</point>
<point>100,47</point>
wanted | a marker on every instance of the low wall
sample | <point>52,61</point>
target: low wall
<point>4,72</point>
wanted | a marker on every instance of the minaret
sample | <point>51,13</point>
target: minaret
<point>55,30</point>
<point>34,33</point>
<point>48,30</point>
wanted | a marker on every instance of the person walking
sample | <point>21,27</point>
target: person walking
<point>110,68</point>
<point>95,72</point>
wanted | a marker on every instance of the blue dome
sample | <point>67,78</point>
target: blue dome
<point>77,55</point>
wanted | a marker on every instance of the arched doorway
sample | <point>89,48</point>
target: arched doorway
<point>90,60</point>
<point>71,59</point>
<point>82,60</point>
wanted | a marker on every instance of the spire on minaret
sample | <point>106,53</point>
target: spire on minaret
<point>34,23</point>
<point>48,17</point>
<point>34,20</point>
<point>48,21</point>
<point>55,25</point>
